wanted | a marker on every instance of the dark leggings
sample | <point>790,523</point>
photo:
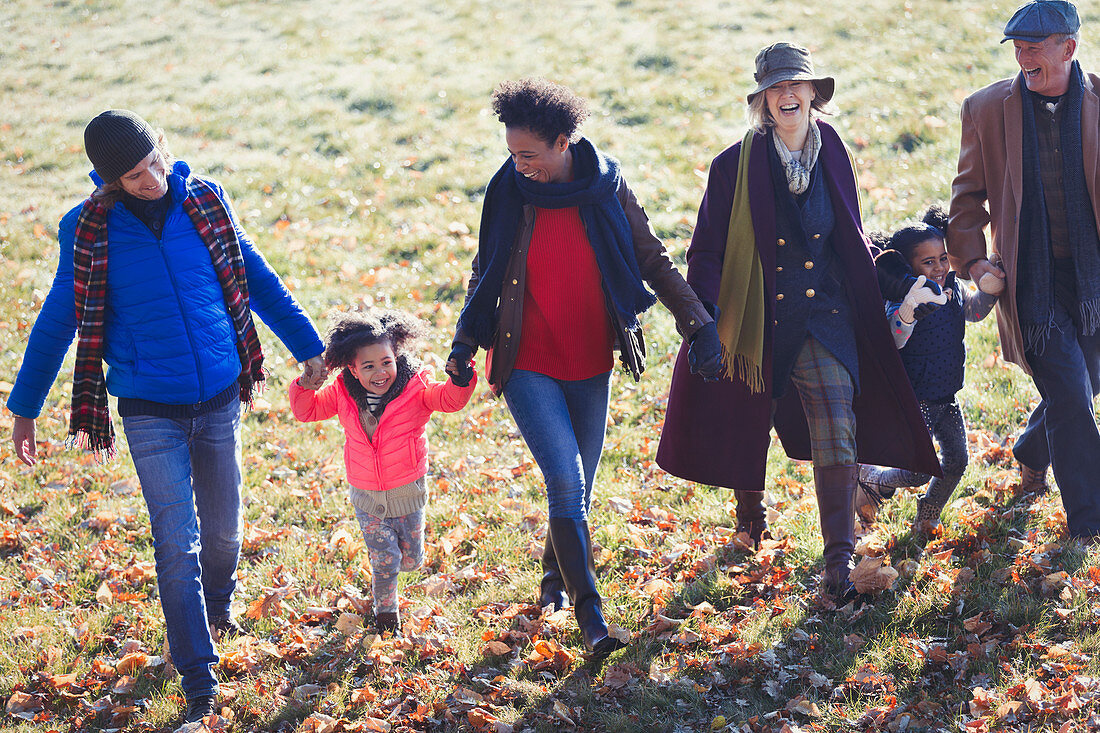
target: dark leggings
<point>945,423</point>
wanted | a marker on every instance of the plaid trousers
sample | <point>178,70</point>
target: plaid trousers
<point>827,391</point>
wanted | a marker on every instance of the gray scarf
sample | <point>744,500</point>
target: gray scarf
<point>798,169</point>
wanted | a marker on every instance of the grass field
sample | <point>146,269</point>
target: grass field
<point>355,140</point>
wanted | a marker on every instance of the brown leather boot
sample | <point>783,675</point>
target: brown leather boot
<point>751,516</point>
<point>1033,481</point>
<point>836,494</point>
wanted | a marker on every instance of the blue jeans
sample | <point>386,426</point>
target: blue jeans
<point>563,422</point>
<point>1062,428</point>
<point>190,473</point>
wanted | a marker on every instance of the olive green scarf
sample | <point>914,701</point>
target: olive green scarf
<point>741,292</point>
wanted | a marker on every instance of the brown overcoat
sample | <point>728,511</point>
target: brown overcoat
<point>988,189</point>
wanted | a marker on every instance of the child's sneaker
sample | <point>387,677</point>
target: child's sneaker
<point>387,621</point>
<point>927,519</point>
<point>870,494</point>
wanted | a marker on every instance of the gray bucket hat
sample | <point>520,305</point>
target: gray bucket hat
<point>788,62</point>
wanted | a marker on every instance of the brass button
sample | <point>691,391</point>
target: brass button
<point>810,293</point>
<point>779,269</point>
<point>835,310</point>
<point>775,323</point>
<point>817,236</point>
<point>515,282</point>
<point>809,265</point>
<point>779,296</point>
<point>508,335</point>
<point>781,242</point>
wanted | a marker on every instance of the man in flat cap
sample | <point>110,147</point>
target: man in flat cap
<point>1029,165</point>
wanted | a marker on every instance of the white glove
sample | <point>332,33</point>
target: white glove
<point>918,295</point>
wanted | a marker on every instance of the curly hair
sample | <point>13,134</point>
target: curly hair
<point>879,238</point>
<point>933,225</point>
<point>546,109</point>
<point>352,331</point>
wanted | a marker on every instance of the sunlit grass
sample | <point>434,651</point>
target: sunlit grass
<point>355,141</point>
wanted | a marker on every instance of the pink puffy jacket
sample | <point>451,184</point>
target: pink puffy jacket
<point>398,453</point>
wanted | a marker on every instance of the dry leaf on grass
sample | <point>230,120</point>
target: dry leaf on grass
<point>872,577</point>
<point>349,623</point>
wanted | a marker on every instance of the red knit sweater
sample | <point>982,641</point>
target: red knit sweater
<point>566,331</point>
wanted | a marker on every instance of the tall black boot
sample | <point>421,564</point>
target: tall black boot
<point>573,548</point>
<point>751,517</point>
<point>552,588</point>
<point>836,495</point>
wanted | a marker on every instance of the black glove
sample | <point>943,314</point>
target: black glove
<point>895,277</point>
<point>705,353</point>
<point>462,369</point>
<point>924,309</point>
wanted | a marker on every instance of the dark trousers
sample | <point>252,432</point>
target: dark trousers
<point>1062,429</point>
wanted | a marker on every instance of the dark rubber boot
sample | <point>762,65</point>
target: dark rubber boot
<point>552,588</point>
<point>836,494</point>
<point>573,548</point>
<point>751,516</point>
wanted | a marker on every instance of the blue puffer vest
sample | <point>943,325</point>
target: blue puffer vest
<point>935,356</point>
<point>169,338</point>
<point>809,297</point>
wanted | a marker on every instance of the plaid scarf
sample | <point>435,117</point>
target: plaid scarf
<point>90,419</point>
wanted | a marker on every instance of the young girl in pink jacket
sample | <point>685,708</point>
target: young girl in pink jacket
<point>383,399</point>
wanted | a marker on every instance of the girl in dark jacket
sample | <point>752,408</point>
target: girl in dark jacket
<point>930,341</point>
<point>558,281</point>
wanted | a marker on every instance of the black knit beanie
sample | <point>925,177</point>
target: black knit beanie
<point>116,141</point>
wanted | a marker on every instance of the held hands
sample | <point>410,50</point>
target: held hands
<point>921,300</point>
<point>705,353</point>
<point>460,365</point>
<point>22,437</point>
<point>989,278</point>
<point>314,373</point>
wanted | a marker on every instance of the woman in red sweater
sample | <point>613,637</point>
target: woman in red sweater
<point>558,282</point>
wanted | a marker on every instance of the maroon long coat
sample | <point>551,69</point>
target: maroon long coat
<point>717,433</point>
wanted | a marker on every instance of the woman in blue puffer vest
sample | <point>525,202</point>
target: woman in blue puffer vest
<point>168,306</point>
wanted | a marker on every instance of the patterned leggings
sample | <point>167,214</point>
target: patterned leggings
<point>393,545</point>
<point>945,423</point>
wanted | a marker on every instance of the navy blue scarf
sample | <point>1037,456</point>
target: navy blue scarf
<point>594,191</point>
<point>1035,278</point>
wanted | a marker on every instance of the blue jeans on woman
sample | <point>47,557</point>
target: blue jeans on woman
<point>190,473</point>
<point>563,422</point>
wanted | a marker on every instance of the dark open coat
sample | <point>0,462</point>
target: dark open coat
<point>717,433</point>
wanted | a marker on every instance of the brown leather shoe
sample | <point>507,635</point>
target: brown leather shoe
<point>1032,481</point>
